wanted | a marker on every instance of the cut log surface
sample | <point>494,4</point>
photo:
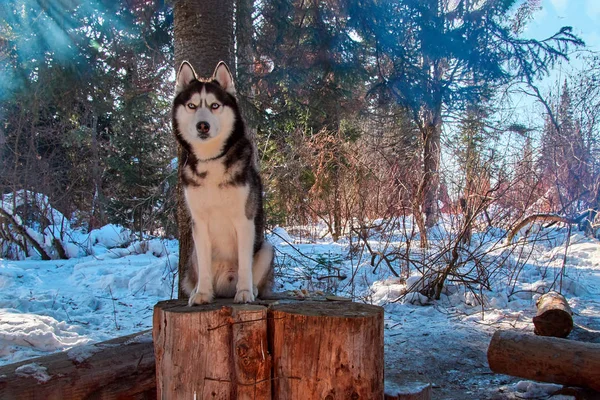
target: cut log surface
<point>213,351</point>
<point>545,359</point>
<point>554,316</point>
<point>326,350</point>
<point>121,368</point>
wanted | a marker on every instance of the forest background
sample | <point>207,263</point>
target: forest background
<point>365,114</point>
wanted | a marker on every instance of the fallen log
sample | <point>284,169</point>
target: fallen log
<point>545,359</point>
<point>554,316</point>
<point>326,350</point>
<point>535,217</point>
<point>121,368</point>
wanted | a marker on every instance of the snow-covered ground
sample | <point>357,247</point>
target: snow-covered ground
<point>49,306</point>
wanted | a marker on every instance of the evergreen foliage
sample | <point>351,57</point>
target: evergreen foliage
<point>85,104</point>
<point>348,99</point>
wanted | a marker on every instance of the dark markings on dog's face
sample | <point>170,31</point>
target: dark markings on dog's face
<point>211,89</point>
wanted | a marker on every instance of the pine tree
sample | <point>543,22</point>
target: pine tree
<point>563,162</point>
<point>436,57</point>
<point>68,107</point>
<point>471,143</point>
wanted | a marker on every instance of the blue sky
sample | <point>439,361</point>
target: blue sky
<point>582,15</point>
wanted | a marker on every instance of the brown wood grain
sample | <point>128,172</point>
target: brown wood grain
<point>326,350</point>
<point>554,316</point>
<point>121,368</point>
<point>545,359</point>
<point>212,351</point>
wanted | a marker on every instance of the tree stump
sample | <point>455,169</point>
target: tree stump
<point>214,351</point>
<point>326,350</point>
<point>545,359</point>
<point>554,316</point>
<point>285,349</point>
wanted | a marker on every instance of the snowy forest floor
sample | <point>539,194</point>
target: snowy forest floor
<point>49,306</point>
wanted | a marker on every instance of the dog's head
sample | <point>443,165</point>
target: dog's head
<point>204,111</point>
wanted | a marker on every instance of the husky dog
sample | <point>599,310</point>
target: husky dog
<point>223,191</point>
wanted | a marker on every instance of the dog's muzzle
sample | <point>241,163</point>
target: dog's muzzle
<point>203,129</point>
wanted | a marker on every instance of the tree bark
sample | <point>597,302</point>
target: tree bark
<point>203,35</point>
<point>431,166</point>
<point>431,110</point>
<point>62,254</point>
<point>554,316</point>
<point>320,350</point>
<point>326,350</point>
<point>545,359</point>
<point>213,351</point>
<point>10,219</point>
<point>121,368</point>
<point>245,55</point>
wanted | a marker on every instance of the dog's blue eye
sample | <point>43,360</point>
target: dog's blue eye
<point>215,106</point>
<point>191,106</point>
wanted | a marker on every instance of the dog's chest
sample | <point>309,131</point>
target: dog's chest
<point>213,195</point>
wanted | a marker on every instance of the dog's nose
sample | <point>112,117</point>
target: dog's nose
<point>203,127</point>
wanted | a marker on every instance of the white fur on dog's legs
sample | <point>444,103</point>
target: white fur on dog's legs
<point>245,240</point>
<point>262,264</point>
<point>203,292</point>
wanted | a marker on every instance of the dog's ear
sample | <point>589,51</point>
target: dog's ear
<point>223,76</point>
<point>185,75</point>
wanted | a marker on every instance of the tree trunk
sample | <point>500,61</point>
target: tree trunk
<point>554,316</point>
<point>121,368</point>
<point>431,110</point>
<point>417,212</point>
<point>326,350</point>
<point>545,359</point>
<point>214,351</point>
<point>97,219</point>
<point>431,165</point>
<point>10,219</point>
<point>203,35</point>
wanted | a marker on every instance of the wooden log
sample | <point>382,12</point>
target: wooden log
<point>554,316</point>
<point>536,217</point>
<point>545,359</point>
<point>326,350</point>
<point>121,368</point>
<point>213,351</point>
<point>407,391</point>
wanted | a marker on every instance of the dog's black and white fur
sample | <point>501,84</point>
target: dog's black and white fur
<point>223,191</point>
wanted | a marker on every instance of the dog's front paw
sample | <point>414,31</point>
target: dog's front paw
<point>200,298</point>
<point>243,296</point>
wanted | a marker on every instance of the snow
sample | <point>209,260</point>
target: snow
<point>48,306</point>
<point>33,370</point>
<point>30,332</point>
<point>80,354</point>
<point>110,283</point>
